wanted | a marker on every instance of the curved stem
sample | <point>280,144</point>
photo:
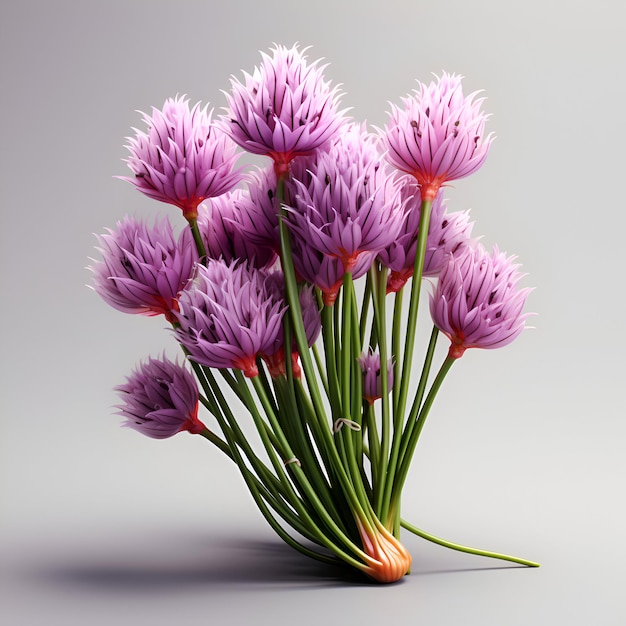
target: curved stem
<point>457,546</point>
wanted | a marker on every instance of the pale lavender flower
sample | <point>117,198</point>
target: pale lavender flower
<point>183,158</point>
<point>437,134</point>
<point>349,206</point>
<point>227,316</point>
<point>448,233</point>
<point>284,109</point>
<point>477,302</point>
<point>221,222</point>
<point>372,383</point>
<point>160,399</point>
<point>143,268</point>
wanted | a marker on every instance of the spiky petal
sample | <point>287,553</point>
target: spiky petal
<point>227,316</point>
<point>347,206</point>
<point>221,222</point>
<point>160,399</point>
<point>284,109</point>
<point>477,302</point>
<point>448,233</point>
<point>183,158</point>
<point>143,268</point>
<point>437,134</point>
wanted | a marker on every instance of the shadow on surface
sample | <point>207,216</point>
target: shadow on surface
<point>207,562</point>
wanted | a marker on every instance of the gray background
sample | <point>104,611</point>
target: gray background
<point>524,450</point>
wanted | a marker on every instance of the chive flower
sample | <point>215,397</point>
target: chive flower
<point>221,224</point>
<point>143,268</point>
<point>228,317</point>
<point>311,321</point>
<point>448,233</point>
<point>477,302</point>
<point>347,209</point>
<point>285,108</point>
<point>183,158</point>
<point>160,399</point>
<point>437,134</point>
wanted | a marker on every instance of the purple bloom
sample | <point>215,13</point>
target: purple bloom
<point>221,224</point>
<point>323,271</point>
<point>227,317</point>
<point>143,268</point>
<point>349,204</point>
<point>311,320</point>
<point>437,135</point>
<point>448,233</point>
<point>477,302</point>
<point>372,385</point>
<point>259,210</point>
<point>284,109</point>
<point>183,158</point>
<point>160,399</point>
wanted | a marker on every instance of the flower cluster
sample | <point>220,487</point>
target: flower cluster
<point>259,286</point>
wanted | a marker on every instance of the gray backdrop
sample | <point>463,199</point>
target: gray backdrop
<point>523,452</point>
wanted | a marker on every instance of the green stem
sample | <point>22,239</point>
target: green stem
<point>259,490</point>
<point>418,270</point>
<point>396,331</point>
<point>197,237</point>
<point>421,387</point>
<point>405,459</point>
<point>328,336</point>
<point>468,550</point>
<point>319,412</point>
<point>320,369</point>
<point>309,492</point>
<point>380,314</point>
<point>367,294</point>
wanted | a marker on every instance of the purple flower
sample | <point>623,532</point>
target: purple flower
<point>284,109</point>
<point>448,233</point>
<point>349,204</point>
<point>183,158</point>
<point>323,271</point>
<point>221,224</point>
<point>477,302</point>
<point>259,210</point>
<point>228,317</point>
<point>311,320</point>
<point>437,135</point>
<point>143,268</point>
<point>160,399</point>
<point>372,385</point>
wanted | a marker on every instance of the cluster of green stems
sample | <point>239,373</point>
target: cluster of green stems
<point>332,470</point>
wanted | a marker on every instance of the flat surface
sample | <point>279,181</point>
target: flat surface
<point>524,450</point>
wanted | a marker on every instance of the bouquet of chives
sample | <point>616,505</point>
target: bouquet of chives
<point>260,294</point>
